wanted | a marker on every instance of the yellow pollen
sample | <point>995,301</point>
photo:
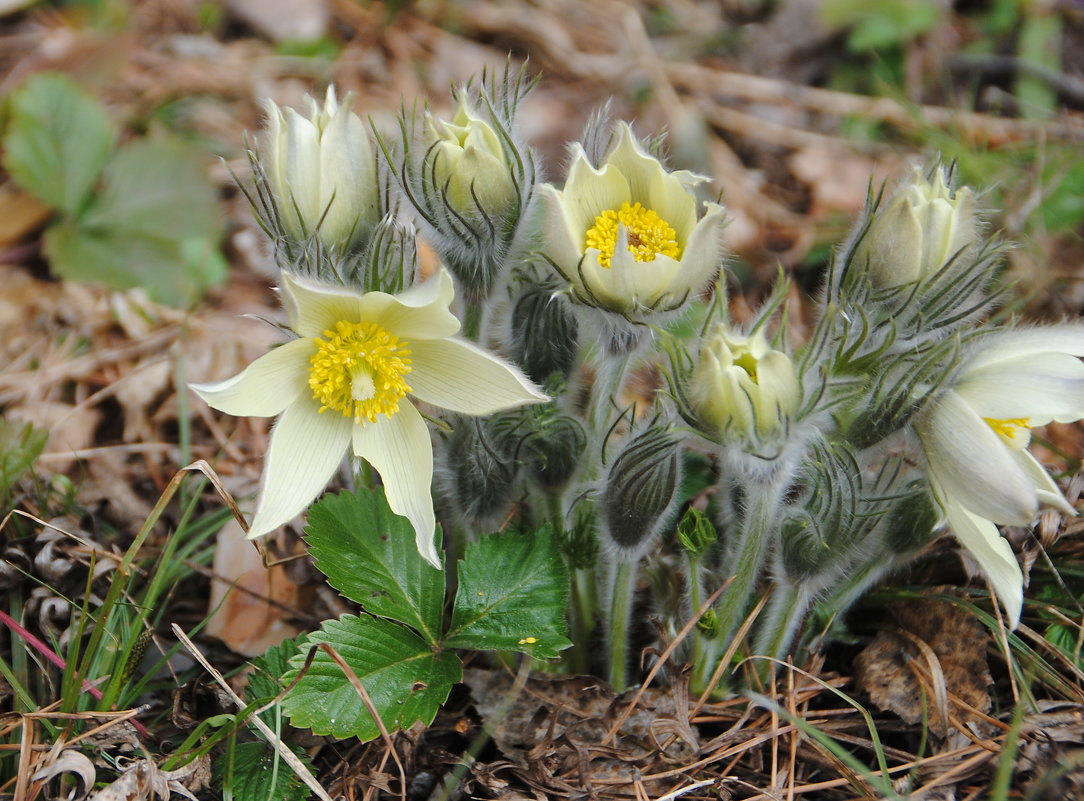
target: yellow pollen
<point>358,370</point>
<point>648,234</point>
<point>528,641</point>
<point>1013,430</point>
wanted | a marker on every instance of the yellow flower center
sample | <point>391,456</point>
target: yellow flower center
<point>358,370</point>
<point>648,234</point>
<point>1014,430</point>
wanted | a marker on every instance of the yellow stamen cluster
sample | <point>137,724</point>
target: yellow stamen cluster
<point>649,235</point>
<point>358,370</point>
<point>1014,430</point>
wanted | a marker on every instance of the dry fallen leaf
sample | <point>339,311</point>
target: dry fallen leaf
<point>936,658</point>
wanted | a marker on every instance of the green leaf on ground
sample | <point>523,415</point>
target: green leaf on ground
<point>368,554</point>
<point>58,141</point>
<point>405,678</point>
<point>258,773</point>
<point>264,682</point>
<point>513,593</point>
<point>20,447</point>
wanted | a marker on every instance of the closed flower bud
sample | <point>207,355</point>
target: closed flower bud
<point>321,173</point>
<point>467,163</point>
<point>544,334</point>
<point>741,389</point>
<point>909,524</point>
<point>924,226</point>
<point>482,468</point>
<point>554,451</point>
<point>639,489</point>
<point>695,532</point>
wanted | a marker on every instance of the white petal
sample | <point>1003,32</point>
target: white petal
<point>313,307</point>
<point>265,387</point>
<point>641,170</point>
<point>400,450</point>
<point>1040,388</point>
<point>420,312</point>
<point>589,192</point>
<point>1020,343</point>
<point>306,449</point>
<point>994,555</point>
<point>703,254</point>
<point>348,177</point>
<point>669,198</point>
<point>459,376</point>
<point>301,167</point>
<point>1045,488</point>
<point>562,247</point>
<point>972,464</point>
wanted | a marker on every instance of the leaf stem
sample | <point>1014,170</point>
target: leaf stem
<point>620,613</point>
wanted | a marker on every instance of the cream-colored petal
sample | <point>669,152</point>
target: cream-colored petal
<point>301,167</point>
<point>348,185</point>
<point>265,387</point>
<point>456,375</point>
<point>1039,388</point>
<point>702,257</point>
<point>306,449</point>
<point>994,555</point>
<point>420,312</point>
<point>313,307</point>
<point>640,169</point>
<point>1045,488</point>
<point>400,450</point>
<point>973,466</point>
<point>562,247</point>
<point>589,192</point>
<point>1024,343</point>
<point>668,197</point>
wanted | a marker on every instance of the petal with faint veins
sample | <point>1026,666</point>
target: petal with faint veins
<point>461,377</point>
<point>313,307</point>
<point>972,464</point>
<point>400,450</point>
<point>420,312</point>
<point>265,387</point>
<point>1024,343</point>
<point>992,552</point>
<point>306,449</point>
<point>1040,388</point>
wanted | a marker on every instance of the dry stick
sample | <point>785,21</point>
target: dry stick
<point>288,756</point>
<point>692,621</point>
<point>359,688</point>
<point>728,655</point>
<point>697,78</point>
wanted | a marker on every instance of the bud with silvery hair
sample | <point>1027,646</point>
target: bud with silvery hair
<point>320,174</point>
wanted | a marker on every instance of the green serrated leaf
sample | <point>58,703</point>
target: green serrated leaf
<point>513,592</point>
<point>58,141</point>
<point>406,679</point>
<point>156,188</point>
<point>368,554</point>
<point>123,260</point>
<point>257,773</point>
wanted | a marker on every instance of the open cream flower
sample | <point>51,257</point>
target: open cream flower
<point>626,235</point>
<point>344,382</point>
<point>975,437</point>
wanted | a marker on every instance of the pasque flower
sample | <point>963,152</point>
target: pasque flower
<point>925,224</point>
<point>626,235</point>
<point>975,436</point>
<point>348,380</point>
<point>321,171</point>
<point>741,389</point>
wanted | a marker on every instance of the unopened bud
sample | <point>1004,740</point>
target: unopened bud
<point>544,334</point>
<point>741,389</point>
<point>321,173</point>
<point>695,532</point>
<point>482,466</point>
<point>910,522</point>
<point>923,227</point>
<point>554,451</point>
<point>639,491</point>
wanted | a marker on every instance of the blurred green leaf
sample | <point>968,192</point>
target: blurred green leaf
<point>255,776</point>
<point>1063,208</point>
<point>886,24</point>
<point>513,591</point>
<point>368,554</point>
<point>20,446</point>
<point>405,678</point>
<point>1038,43</point>
<point>58,141</point>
